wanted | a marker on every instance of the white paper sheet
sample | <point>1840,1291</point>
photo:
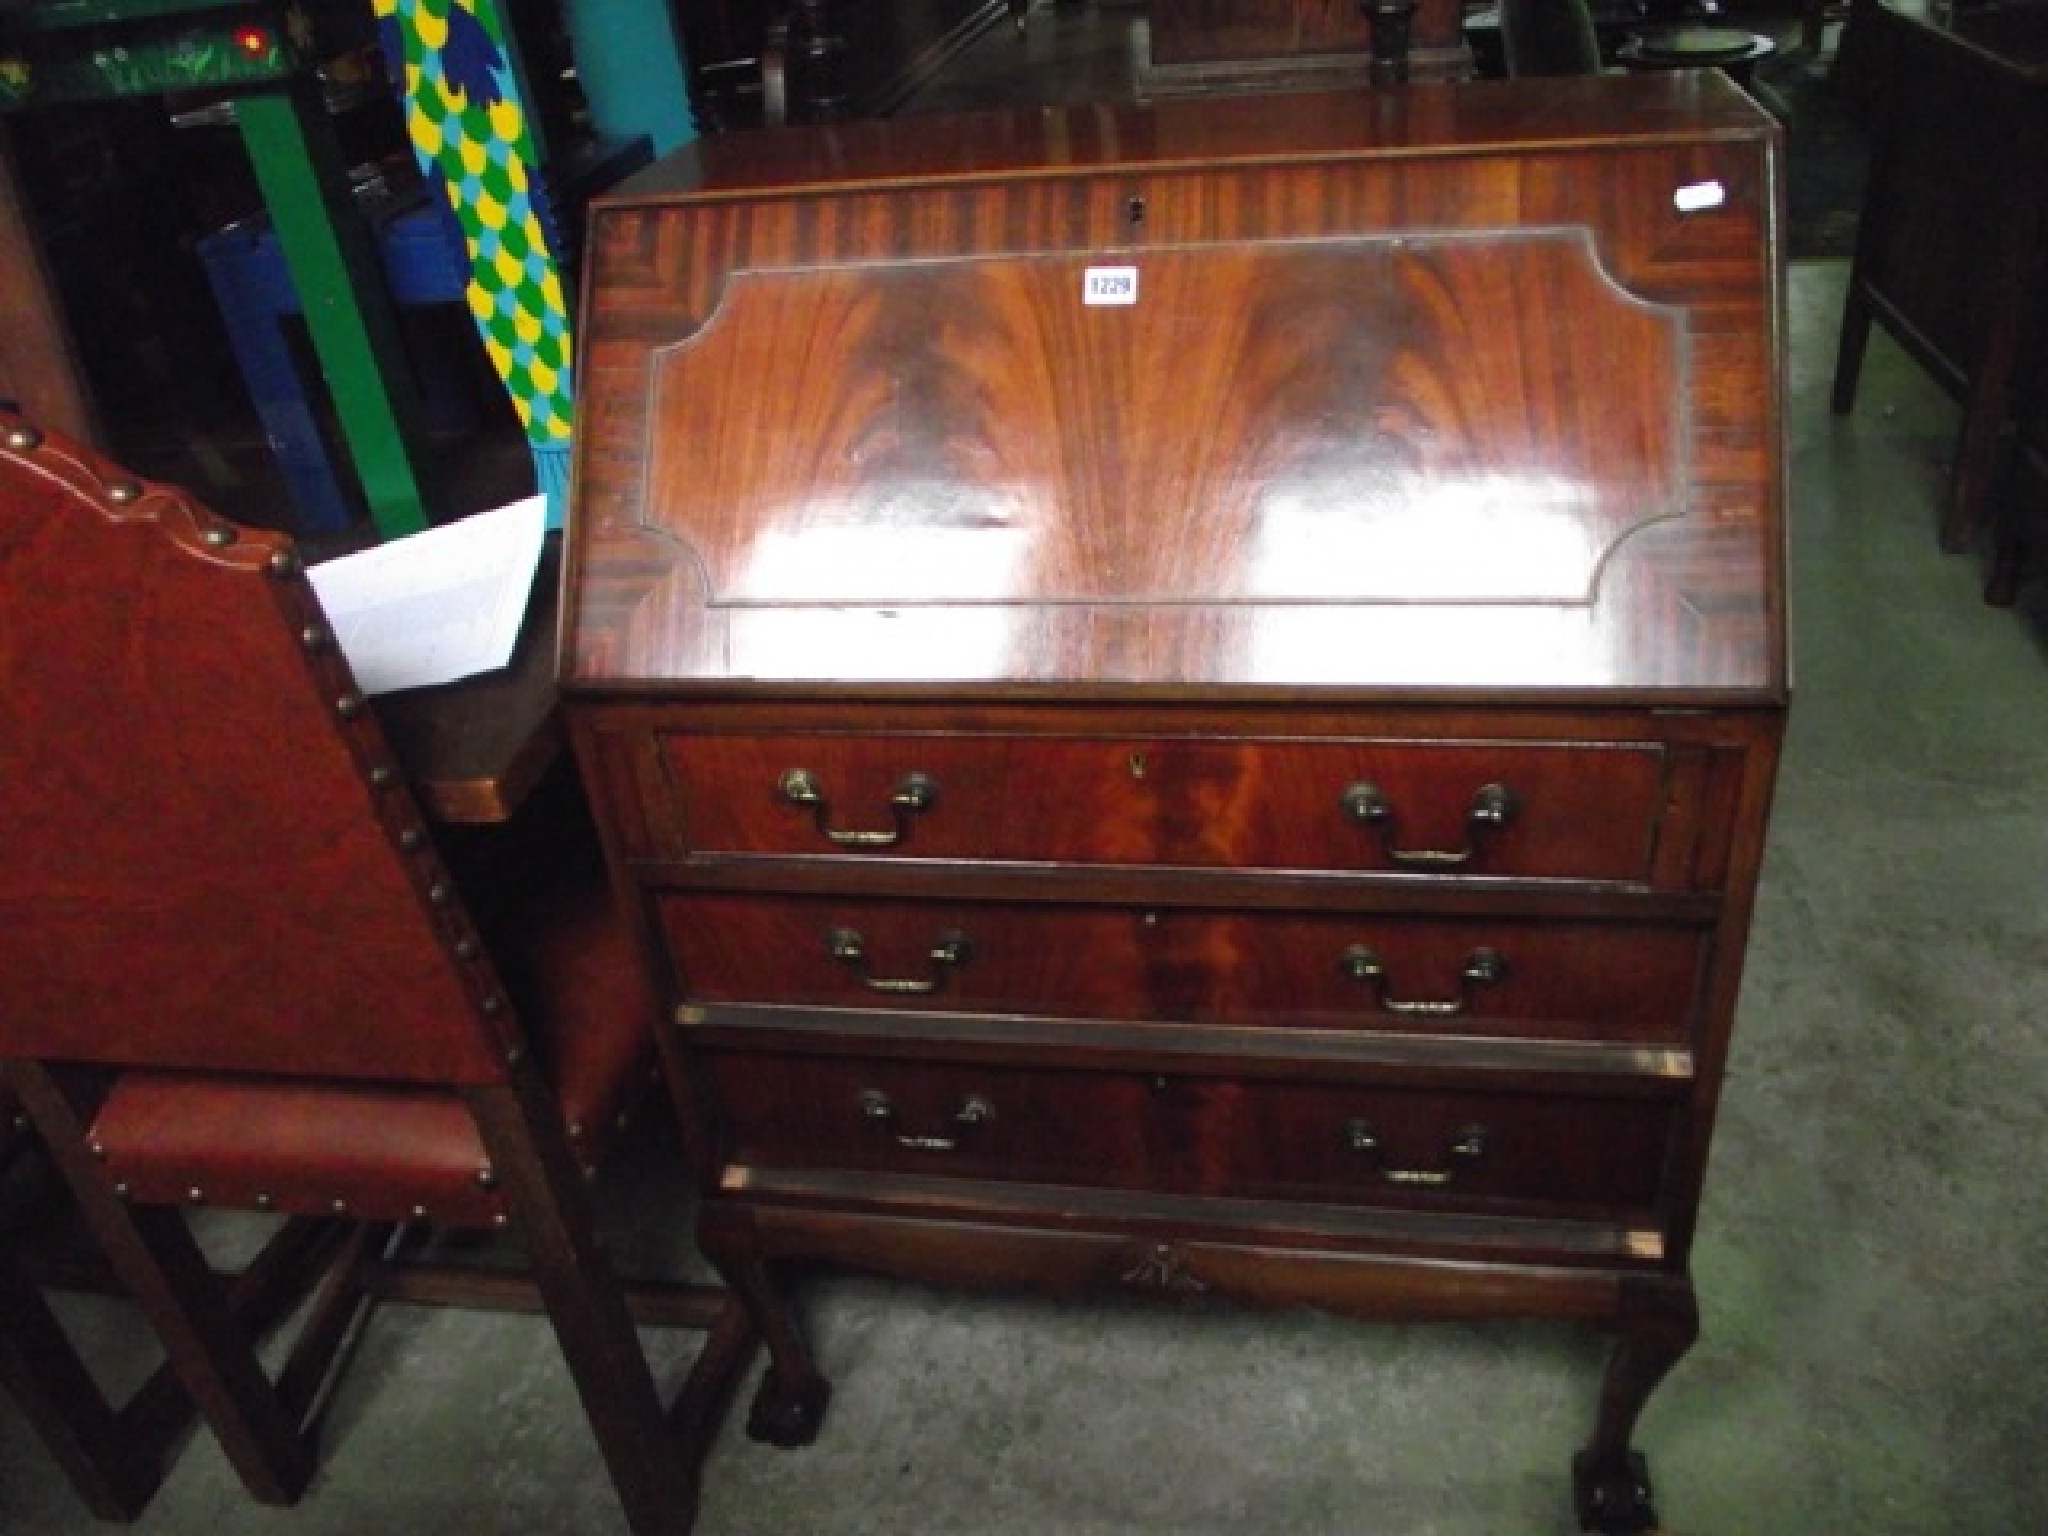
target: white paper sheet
<point>435,606</point>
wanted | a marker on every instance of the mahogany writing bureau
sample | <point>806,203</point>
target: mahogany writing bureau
<point>1186,697</point>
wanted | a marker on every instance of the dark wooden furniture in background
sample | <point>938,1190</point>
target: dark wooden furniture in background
<point>40,369</point>
<point>1200,47</point>
<point>474,750</point>
<point>237,969</point>
<point>1186,697</point>
<point>2019,529</point>
<point>1952,252</point>
<point>808,61</point>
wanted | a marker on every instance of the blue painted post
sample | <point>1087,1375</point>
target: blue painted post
<point>629,62</point>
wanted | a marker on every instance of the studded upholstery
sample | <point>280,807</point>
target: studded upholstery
<point>397,1152</point>
<point>221,900</point>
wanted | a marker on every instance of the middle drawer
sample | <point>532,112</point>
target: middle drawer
<point>1611,982</point>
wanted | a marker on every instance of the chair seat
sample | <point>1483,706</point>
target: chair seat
<point>399,1153</point>
<point>395,1155</point>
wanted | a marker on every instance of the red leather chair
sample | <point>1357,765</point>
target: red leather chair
<point>236,970</point>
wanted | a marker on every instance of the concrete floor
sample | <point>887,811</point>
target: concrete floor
<point>1871,1250</point>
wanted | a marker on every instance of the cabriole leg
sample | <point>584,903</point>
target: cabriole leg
<point>789,1406</point>
<point>1659,1319</point>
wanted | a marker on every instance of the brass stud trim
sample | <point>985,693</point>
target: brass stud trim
<point>438,893</point>
<point>349,705</point>
<point>196,1195</point>
<point>465,949</point>
<point>340,1207</point>
<point>219,536</point>
<point>316,637</point>
<point>487,1177</point>
<point>122,492</point>
<point>286,563</point>
<point>24,438</point>
<point>264,1202</point>
<point>411,838</point>
<point>383,776</point>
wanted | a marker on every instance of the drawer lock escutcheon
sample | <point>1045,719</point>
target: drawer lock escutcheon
<point>1467,1151</point>
<point>878,1111</point>
<point>915,792</point>
<point>1483,967</point>
<point>1493,807</point>
<point>850,949</point>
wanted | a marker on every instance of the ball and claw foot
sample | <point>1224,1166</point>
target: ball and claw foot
<point>780,1416</point>
<point>1613,1499</point>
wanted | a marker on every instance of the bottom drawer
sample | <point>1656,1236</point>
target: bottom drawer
<point>1191,1134</point>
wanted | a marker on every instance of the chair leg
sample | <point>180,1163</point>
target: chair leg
<point>657,1482</point>
<point>64,1405</point>
<point>154,1255</point>
<point>341,1304</point>
<point>2008,556</point>
<point>700,1407</point>
<point>1849,350</point>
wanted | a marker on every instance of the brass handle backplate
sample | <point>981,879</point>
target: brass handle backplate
<point>914,792</point>
<point>1482,968</point>
<point>949,953</point>
<point>1466,1152</point>
<point>877,1110</point>
<point>1493,807</point>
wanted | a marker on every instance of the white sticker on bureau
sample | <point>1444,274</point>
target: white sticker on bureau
<point>1699,197</point>
<point>1109,285</point>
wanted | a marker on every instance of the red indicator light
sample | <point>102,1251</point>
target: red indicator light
<point>253,41</point>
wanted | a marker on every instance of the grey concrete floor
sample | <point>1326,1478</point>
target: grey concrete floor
<point>1872,1247</point>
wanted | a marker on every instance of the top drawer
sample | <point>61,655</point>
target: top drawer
<point>1525,809</point>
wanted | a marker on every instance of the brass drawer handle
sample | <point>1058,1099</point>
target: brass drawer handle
<point>1483,967</point>
<point>1468,1148</point>
<point>1493,807</point>
<point>916,792</point>
<point>849,948</point>
<point>876,1109</point>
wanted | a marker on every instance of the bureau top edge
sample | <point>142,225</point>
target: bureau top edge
<point>1478,117</point>
<point>1770,697</point>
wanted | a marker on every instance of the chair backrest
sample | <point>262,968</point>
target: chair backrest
<point>210,859</point>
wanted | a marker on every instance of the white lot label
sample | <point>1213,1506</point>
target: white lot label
<point>1700,196</point>
<point>1109,285</point>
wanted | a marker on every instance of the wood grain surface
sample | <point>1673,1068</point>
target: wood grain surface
<point>1394,407</point>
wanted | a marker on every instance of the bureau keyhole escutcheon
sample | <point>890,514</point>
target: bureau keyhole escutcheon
<point>914,792</point>
<point>1467,1150</point>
